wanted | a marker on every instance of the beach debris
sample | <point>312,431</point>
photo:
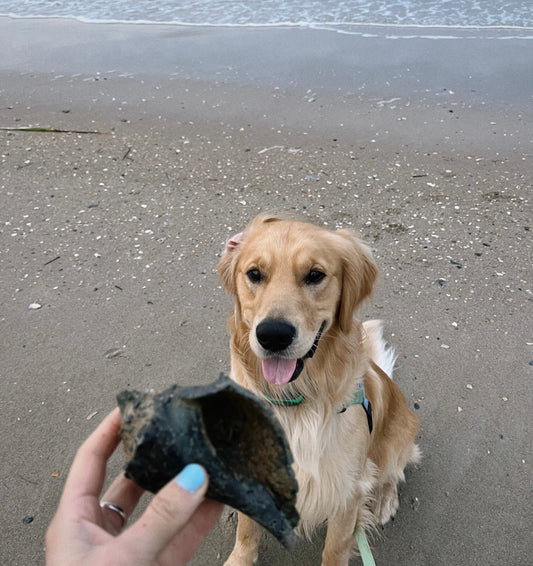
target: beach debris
<point>91,415</point>
<point>382,103</point>
<point>264,150</point>
<point>35,306</point>
<point>310,96</point>
<point>52,260</point>
<point>27,520</point>
<point>48,130</point>
<point>415,503</point>
<point>113,353</point>
<point>230,432</point>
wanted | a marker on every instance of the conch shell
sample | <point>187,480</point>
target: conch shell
<point>230,432</point>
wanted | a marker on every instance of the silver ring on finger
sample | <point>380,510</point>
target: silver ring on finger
<point>115,508</point>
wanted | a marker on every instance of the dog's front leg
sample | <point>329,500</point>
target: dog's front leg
<point>246,547</point>
<point>339,544</point>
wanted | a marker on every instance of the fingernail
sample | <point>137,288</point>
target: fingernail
<point>191,477</point>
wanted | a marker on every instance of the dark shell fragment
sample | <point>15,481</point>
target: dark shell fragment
<point>226,429</point>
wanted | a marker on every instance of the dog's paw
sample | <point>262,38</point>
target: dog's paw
<point>386,503</point>
<point>239,559</point>
<point>236,562</point>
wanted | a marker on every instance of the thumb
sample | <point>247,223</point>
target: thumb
<point>167,514</point>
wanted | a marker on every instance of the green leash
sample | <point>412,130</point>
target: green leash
<point>364,547</point>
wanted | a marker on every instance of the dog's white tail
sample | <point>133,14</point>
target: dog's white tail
<point>382,354</point>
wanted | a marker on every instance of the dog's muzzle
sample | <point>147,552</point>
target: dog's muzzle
<point>275,336</point>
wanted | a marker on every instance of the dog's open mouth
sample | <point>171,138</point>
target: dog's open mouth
<point>280,371</point>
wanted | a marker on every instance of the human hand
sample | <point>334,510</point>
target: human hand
<point>83,533</point>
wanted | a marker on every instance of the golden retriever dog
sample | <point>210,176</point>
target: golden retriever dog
<point>296,344</point>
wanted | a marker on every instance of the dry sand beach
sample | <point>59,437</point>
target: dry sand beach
<point>423,145</point>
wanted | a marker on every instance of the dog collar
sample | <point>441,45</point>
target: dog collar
<point>310,354</point>
<point>358,399</point>
<point>292,402</point>
<point>314,347</point>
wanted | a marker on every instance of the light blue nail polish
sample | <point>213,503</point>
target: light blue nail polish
<point>191,477</point>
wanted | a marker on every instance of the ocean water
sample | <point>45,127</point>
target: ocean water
<point>341,15</point>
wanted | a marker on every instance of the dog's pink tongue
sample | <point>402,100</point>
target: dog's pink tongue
<point>278,371</point>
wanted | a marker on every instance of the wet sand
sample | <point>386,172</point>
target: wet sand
<point>423,145</point>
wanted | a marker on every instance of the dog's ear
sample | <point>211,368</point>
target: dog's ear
<point>226,265</point>
<point>359,273</point>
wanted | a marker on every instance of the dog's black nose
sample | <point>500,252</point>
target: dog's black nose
<point>275,334</point>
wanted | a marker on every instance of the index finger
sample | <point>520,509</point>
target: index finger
<point>87,473</point>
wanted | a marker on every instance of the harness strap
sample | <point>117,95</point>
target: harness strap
<point>360,399</point>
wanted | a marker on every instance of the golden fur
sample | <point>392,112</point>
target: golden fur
<point>347,477</point>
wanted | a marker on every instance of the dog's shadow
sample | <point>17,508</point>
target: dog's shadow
<point>304,553</point>
<point>271,552</point>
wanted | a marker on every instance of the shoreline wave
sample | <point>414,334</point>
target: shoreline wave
<point>348,28</point>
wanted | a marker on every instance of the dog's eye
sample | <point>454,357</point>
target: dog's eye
<point>314,277</point>
<point>254,275</point>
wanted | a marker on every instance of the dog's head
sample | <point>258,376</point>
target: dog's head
<point>293,281</point>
